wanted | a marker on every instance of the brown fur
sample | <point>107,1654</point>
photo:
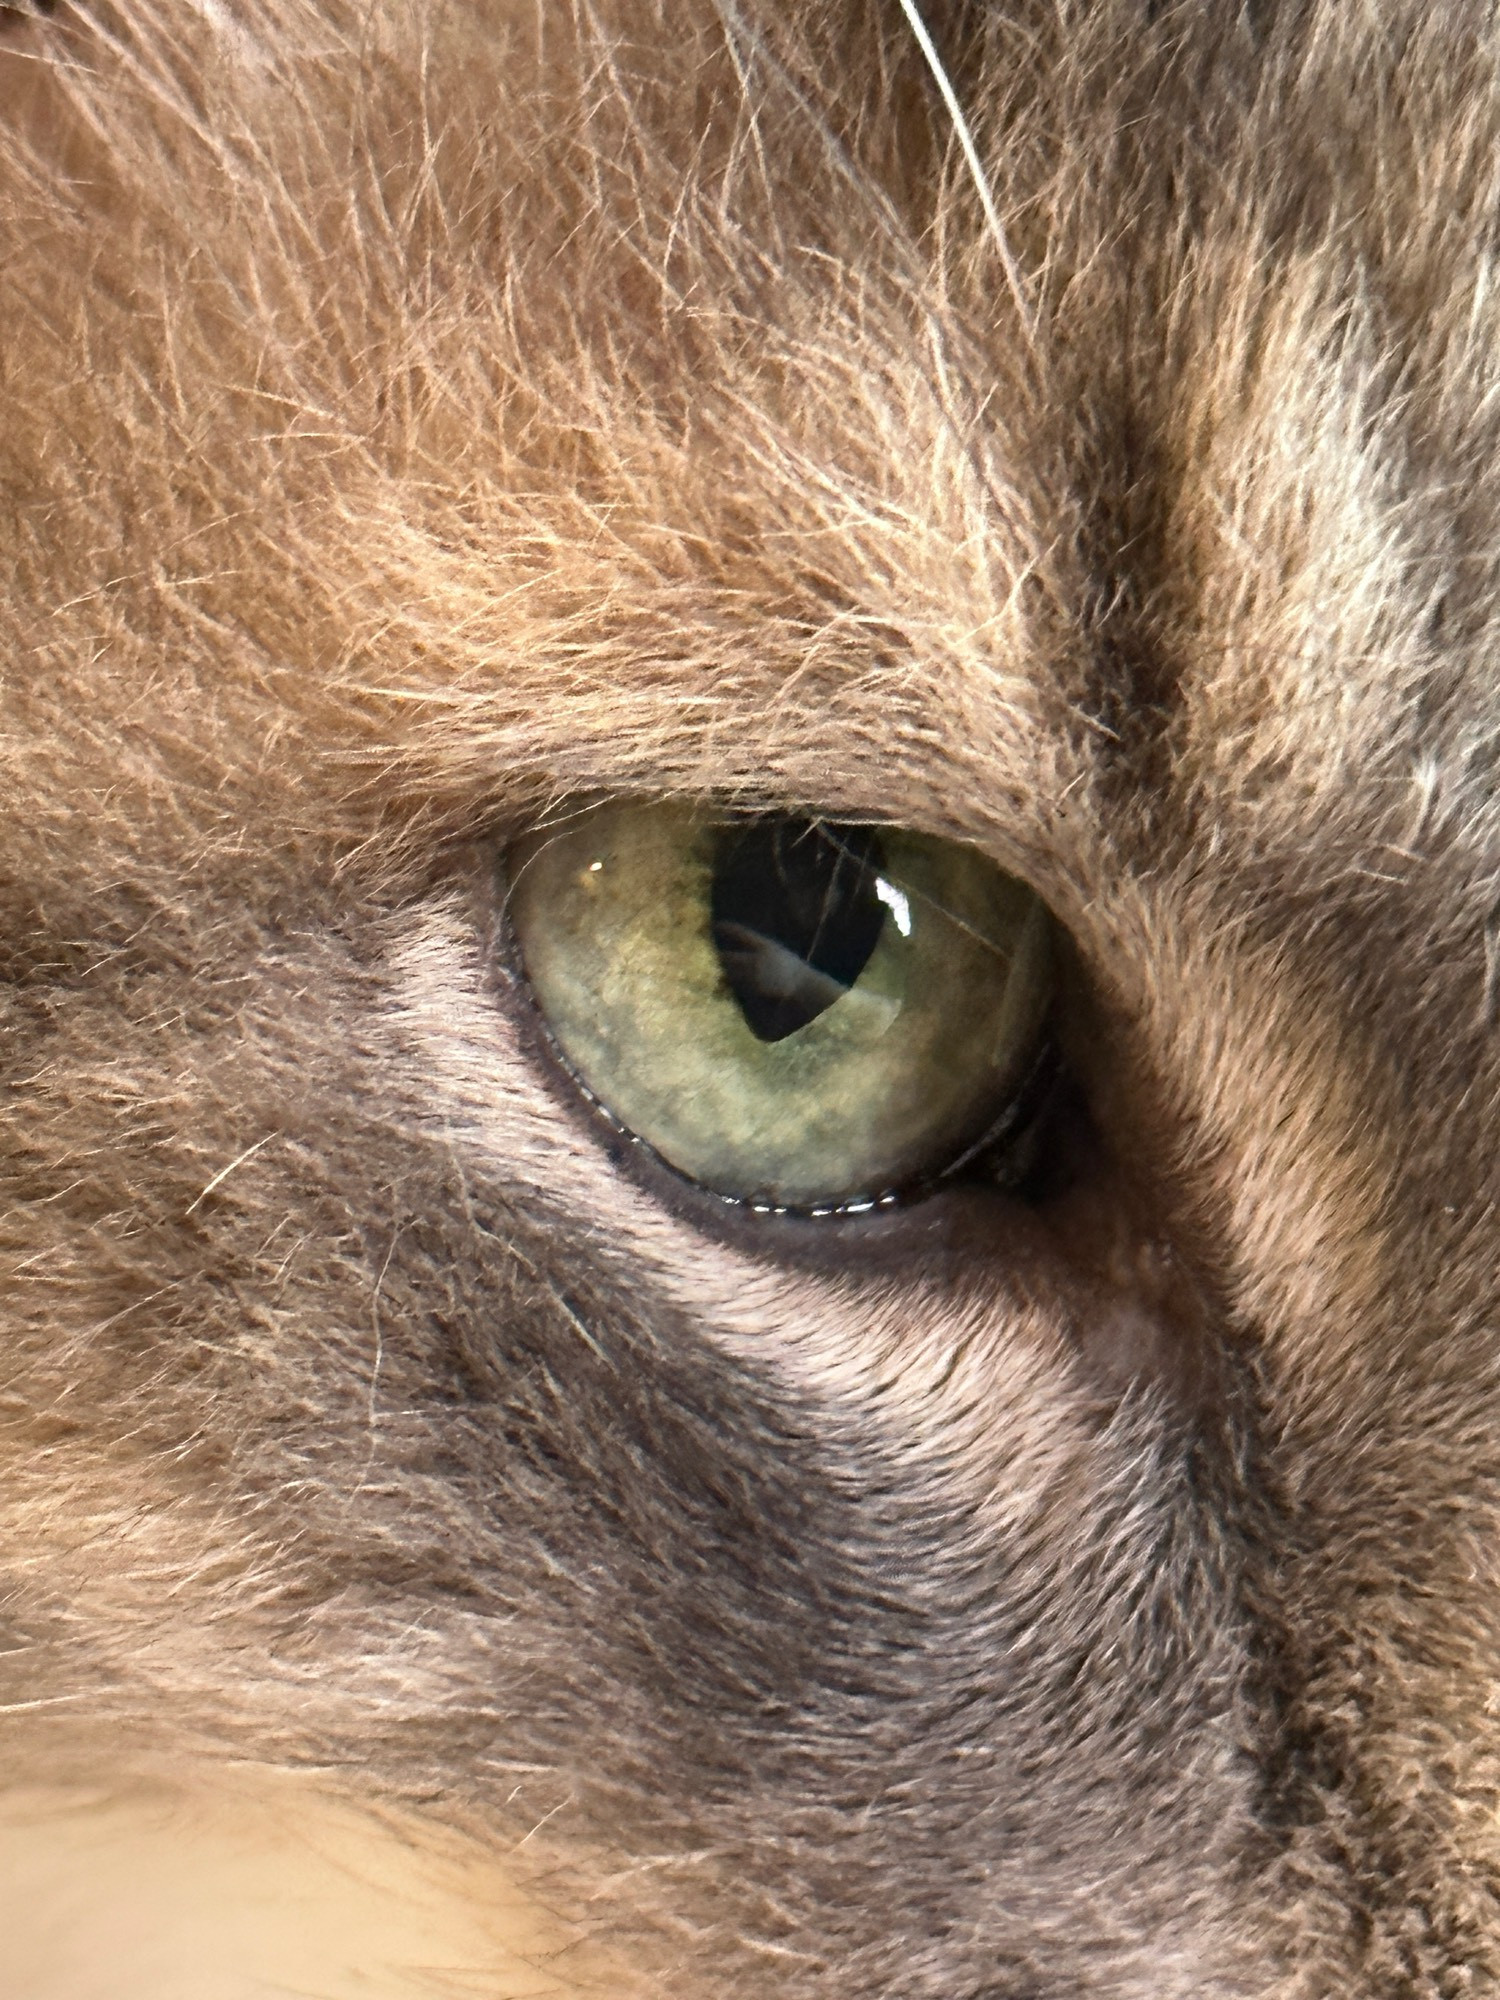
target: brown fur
<point>415,414</point>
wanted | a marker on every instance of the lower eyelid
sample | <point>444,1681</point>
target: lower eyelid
<point>485,1085</point>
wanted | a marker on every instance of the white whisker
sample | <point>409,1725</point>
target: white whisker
<point>965,136</point>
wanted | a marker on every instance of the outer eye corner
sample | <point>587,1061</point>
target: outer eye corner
<point>797,1014</point>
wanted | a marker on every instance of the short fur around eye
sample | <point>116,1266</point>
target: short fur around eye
<point>418,416</point>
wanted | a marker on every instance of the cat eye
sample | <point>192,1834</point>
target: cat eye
<point>795,1013</point>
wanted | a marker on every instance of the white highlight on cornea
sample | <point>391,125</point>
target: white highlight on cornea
<point>895,902</point>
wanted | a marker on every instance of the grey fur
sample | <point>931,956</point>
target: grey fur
<point>416,416</point>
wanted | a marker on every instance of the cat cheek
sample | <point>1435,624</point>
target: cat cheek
<point>968,1319</point>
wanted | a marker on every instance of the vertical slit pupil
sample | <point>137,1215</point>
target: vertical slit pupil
<point>795,916</point>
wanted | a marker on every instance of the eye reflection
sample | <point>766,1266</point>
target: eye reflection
<point>797,911</point>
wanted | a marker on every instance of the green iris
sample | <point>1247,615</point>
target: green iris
<point>794,1013</point>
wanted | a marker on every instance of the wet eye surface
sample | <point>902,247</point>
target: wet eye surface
<point>792,1012</point>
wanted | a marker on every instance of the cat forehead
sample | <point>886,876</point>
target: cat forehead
<point>494,393</point>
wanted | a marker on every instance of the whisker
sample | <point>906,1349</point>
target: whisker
<point>963,132</point>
